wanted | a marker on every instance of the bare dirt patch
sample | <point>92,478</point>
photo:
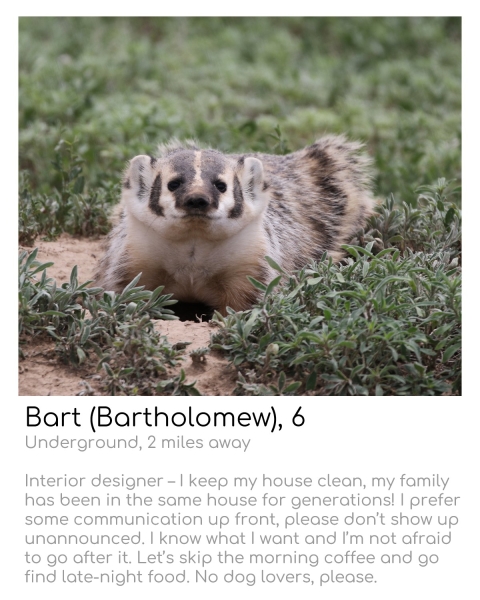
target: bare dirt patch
<point>214,376</point>
<point>42,374</point>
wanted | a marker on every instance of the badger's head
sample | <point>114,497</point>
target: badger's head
<point>191,192</point>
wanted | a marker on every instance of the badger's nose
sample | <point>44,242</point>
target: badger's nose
<point>196,202</point>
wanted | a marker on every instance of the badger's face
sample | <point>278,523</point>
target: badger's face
<point>195,193</point>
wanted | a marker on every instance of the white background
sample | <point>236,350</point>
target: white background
<point>343,437</point>
<point>358,436</point>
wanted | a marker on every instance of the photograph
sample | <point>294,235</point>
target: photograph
<point>240,206</point>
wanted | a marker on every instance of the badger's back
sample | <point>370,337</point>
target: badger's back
<point>319,197</point>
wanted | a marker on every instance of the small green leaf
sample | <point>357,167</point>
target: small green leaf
<point>79,185</point>
<point>449,217</point>
<point>450,351</point>
<point>310,336</point>
<point>272,285</point>
<point>351,250</point>
<point>292,387</point>
<point>275,265</point>
<point>395,238</point>
<point>130,309</point>
<point>257,284</point>
<point>85,335</point>
<point>42,268</point>
<point>108,369</point>
<point>311,381</point>
<point>81,355</point>
<point>192,391</point>
<point>73,277</point>
<point>126,371</point>
<point>131,285</point>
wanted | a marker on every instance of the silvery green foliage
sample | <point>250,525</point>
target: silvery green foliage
<point>117,329</point>
<point>384,323</point>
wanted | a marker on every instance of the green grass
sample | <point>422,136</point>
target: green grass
<point>95,92</point>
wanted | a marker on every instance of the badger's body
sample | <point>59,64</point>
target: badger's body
<point>199,221</point>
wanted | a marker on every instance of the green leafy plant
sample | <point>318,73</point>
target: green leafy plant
<point>384,324</point>
<point>120,86</point>
<point>68,207</point>
<point>117,328</point>
<point>199,355</point>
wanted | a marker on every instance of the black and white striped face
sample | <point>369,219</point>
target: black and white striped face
<point>189,191</point>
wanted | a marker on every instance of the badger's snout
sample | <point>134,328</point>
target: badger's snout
<point>196,202</point>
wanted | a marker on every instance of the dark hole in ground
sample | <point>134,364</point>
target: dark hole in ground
<point>194,311</point>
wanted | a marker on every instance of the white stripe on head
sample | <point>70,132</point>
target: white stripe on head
<point>198,168</point>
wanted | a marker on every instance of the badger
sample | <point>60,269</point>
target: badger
<point>199,222</point>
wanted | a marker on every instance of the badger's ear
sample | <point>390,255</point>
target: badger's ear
<point>251,176</point>
<point>139,175</point>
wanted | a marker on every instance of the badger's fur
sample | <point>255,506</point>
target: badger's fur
<point>199,221</point>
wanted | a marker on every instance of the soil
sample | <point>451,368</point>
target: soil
<point>42,374</point>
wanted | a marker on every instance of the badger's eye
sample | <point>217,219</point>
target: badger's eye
<point>221,187</point>
<point>174,184</point>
